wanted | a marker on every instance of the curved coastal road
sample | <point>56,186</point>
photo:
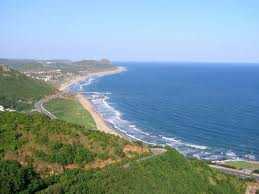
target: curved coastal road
<point>40,108</point>
<point>235,172</point>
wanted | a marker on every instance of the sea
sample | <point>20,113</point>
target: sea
<point>204,110</point>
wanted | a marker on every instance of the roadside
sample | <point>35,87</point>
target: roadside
<point>154,151</point>
<point>38,106</point>
<point>235,172</point>
<point>67,108</point>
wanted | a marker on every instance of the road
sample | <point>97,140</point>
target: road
<point>154,151</point>
<point>235,172</point>
<point>40,108</point>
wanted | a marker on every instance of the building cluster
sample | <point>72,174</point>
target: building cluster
<point>2,109</point>
<point>4,68</point>
<point>49,75</point>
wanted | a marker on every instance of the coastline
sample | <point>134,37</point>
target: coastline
<point>87,105</point>
<point>101,123</point>
<point>77,79</point>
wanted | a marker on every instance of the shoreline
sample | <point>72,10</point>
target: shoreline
<point>63,87</point>
<point>100,122</point>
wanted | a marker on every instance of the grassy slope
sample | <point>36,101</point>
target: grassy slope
<point>19,91</point>
<point>71,111</point>
<point>53,145</point>
<point>243,165</point>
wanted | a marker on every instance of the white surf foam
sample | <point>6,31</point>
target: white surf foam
<point>102,104</point>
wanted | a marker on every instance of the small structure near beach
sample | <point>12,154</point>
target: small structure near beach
<point>2,109</point>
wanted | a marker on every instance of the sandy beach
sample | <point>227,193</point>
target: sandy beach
<point>100,122</point>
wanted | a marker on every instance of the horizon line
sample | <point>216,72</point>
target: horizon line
<point>138,61</point>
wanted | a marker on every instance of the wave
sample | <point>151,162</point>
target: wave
<point>179,142</point>
<point>102,104</point>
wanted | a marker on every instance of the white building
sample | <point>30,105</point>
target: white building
<point>1,108</point>
<point>10,110</point>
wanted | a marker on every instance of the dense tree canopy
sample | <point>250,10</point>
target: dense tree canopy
<point>15,179</point>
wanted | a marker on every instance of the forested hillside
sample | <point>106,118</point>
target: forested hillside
<point>169,173</point>
<point>52,156</point>
<point>20,92</point>
<point>51,146</point>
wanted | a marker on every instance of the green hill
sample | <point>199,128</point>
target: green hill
<point>70,110</point>
<point>169,173</point>
<point>18,91</point>
<point>91,65</point>
<point>53,156</point>
<point>64,65</point>
<point>51,146</point>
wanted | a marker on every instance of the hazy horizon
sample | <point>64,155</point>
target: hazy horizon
<point>165,31</point>
<point>143,61</point>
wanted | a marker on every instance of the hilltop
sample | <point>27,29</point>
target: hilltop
<point>57,72</point>
<point>61,64</point>
<point>19,92</point>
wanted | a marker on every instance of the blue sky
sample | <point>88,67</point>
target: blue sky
<point>135,30</point>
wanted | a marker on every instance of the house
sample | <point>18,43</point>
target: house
<point>1,108</point>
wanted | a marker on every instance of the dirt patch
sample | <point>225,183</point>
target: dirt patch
<point>22,156</point>
<point>10,156</point>
<point>134,148</point>
<point>157,151</point>
<point>252,188</point>
<point>100,164</point>
<point>46,169</point>
<point>71,166</point>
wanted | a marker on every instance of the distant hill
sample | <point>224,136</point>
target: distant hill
<point>14,62</point>
<point>92,65</point>
<point>18,91</point>
<point>64,65</point>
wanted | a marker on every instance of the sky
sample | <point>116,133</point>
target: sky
<point>131,30</point>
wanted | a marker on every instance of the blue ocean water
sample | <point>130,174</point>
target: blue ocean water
<point>208,111</point>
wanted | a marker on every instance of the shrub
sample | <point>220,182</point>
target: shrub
<point>167,173</point>
<point>66,154</point>
<point>82,155</point>
<point>41,155</point>
<point>103,155</point>
<point>15,178</point>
